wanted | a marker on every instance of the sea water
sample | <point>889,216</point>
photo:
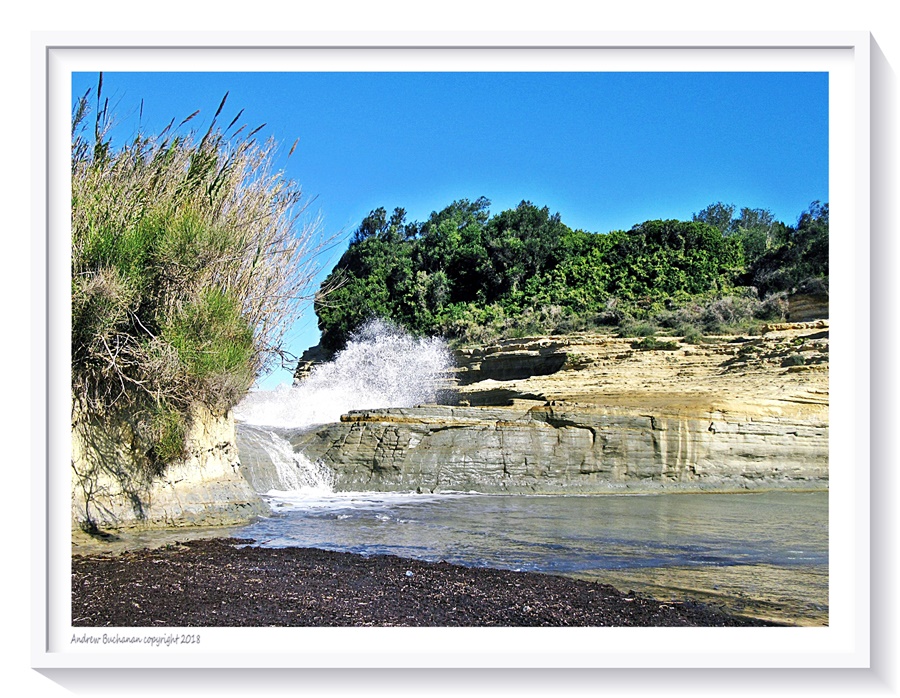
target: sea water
<point>764,554</point>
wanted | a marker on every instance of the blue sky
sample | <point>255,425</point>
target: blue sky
<point>605,150</point>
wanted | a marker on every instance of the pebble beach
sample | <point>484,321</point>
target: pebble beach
<point>227,582</point>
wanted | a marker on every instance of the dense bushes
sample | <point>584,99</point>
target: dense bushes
<point>188,264</point>
<point>800,261</point>
<point>473,277</point>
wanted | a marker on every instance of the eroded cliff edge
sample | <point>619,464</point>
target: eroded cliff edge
<point>596,413</point>
<point>205,488</point>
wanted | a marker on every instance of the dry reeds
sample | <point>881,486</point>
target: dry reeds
<point>190,260</point>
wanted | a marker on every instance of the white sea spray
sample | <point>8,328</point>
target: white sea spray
<point>381,366</point>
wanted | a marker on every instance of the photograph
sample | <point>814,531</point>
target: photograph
<point>423,353</point>
<point>450,349</point>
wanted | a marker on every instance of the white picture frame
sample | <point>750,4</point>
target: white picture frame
<point>844,643</point>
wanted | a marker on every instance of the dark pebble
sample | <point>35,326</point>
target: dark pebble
<point>224,582</point>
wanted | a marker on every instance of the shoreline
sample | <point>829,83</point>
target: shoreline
<point>117,540</point>
<point>227,582</point>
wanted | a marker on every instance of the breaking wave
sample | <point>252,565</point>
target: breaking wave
<point>381,366</point>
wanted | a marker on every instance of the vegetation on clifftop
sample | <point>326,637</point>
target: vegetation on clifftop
<point>470,276</point>
<point>188,265</point>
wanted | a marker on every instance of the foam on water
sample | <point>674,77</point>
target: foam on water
<point>296,473</point>
<point>358,501</point>
<point>381,366</point>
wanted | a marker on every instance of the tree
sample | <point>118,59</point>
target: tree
<point>465,273</point>
<point>756,228</point>
<point>656,259</point>
<point>720,216</point>
<point>811,242</point>
<point>801,258</point>
<point>522,243</point>
<point>758,231</point>
<point>377,224</point>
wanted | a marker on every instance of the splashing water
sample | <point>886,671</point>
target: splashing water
<point>273,467</point>
<point>381,366</point>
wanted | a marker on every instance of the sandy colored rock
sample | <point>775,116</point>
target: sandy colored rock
<point>204,489</point>
<point>594,414</point>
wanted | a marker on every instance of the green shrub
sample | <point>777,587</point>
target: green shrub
<point>215,344</point>
<point>692,335</point>
<point>654,344</point>
<point>793,360</point>
<point>167,430</point>
<point>634,328</point>
<point>189,263</point>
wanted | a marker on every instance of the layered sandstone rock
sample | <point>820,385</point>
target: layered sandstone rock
<point>803,307</point>
<point>109,490</point>
<point>565,449</point>
<point>596,413</point>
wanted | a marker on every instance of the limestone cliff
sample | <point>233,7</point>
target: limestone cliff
<point>109,491</point>
<point>596,413</point>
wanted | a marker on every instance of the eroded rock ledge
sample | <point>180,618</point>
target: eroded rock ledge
<point>565,449</point>
<point>595,413</point>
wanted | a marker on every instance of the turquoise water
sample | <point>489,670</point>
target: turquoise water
<point>763,554</point>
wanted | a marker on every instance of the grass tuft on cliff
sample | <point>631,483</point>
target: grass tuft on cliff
<point>190,260</point>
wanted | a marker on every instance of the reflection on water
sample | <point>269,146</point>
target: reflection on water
<point>763,554</point>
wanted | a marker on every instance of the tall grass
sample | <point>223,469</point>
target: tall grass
<point>190,260</point>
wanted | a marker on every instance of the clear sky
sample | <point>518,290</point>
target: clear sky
<point>604,150</point>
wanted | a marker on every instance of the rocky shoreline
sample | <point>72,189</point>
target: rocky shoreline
<point>224,582</point>
<point>585,413</point>
<point>594,413</point>
<point>562,449</point>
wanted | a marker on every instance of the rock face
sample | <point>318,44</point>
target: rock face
<point>204,489</point>
<point>596,413</point>
<point>565,449</point>
<point>308,360</point>
<point>803,307</point>
<point>510,362</point>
